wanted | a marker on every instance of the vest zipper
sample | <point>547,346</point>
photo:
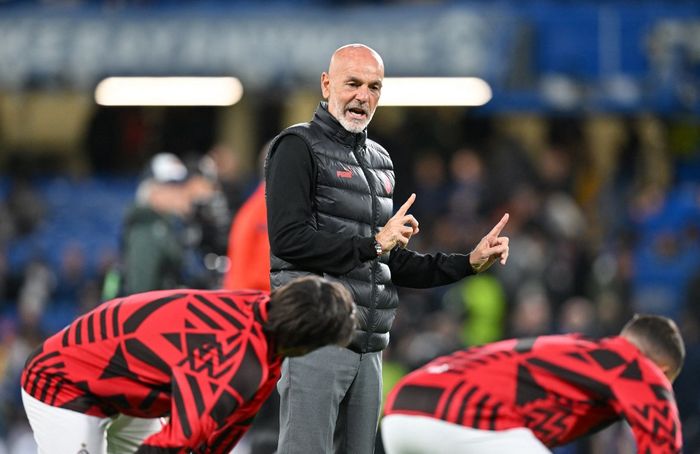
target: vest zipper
<point>375,262</point>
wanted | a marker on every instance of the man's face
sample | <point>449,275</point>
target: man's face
<point>352,86</point>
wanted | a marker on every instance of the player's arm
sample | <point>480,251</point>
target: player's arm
<point>652,414</point>
<point>226,437</point>
<point>245,382</point>
<point>207,389</point>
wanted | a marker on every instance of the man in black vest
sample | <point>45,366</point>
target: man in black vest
<point>329,203</point>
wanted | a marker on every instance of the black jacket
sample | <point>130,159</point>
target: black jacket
<point>328,193</point>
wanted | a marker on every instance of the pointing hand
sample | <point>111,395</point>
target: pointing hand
<point>491,248</point>
<point>399,229</point>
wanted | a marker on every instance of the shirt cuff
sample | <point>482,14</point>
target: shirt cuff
<point>366,249</point>
<point>470,268</point>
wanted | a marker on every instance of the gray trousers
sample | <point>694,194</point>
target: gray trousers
<point>329,402</point>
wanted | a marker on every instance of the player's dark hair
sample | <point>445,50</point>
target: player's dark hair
<point>311,312</point>
<point>660,338</point>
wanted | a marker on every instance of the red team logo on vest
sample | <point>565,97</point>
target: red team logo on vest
<point>388,184</point>
<point>345,173</point>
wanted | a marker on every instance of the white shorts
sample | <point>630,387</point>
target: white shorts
<point>408,434</point>
<point>60,431</point>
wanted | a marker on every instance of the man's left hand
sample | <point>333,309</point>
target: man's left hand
<point>492,247</point>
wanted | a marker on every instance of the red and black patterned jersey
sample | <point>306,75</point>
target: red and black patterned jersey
<point>199,357</point>
<point>560,387</point>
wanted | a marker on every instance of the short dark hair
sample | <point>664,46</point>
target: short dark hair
<point>311,312</point>
<point>659,337</point>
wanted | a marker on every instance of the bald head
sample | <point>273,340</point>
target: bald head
<point>354,52</point>
<point>353,85</point>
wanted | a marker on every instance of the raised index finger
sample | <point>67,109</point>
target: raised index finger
<point>496,230</point>
<point>404,208</point>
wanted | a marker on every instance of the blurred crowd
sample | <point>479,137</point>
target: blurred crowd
<point>604,222</point>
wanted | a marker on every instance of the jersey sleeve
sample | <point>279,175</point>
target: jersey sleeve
<point>651,411</point>
<point>208,387</point>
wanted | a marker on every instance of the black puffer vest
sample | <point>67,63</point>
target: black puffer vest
<point>353,196</point>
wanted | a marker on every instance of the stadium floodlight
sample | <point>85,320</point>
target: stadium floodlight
<point>168,91</point>
<point>435,91</point>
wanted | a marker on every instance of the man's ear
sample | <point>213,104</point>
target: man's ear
<point>668,371</point>
<point>325,85</point>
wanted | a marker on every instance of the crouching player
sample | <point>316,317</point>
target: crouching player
<point>528,395</point>
<point>206,360</point>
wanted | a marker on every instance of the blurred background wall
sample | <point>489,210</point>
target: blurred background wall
<point>591,141</point>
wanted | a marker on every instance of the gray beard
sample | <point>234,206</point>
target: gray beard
<point>352,126</point>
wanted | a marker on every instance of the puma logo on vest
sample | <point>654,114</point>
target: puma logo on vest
<point>345,173</point>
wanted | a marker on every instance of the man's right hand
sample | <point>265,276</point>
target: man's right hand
<point>399,229</point>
